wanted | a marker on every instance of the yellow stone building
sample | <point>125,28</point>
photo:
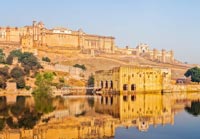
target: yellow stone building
<point>38,36</point>
<point>133,79</point>
<point>140,110</point>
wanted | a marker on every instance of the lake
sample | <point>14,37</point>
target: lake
<point>131,116</point>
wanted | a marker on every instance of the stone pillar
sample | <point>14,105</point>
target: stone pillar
<point>34,31</point>
<point>163,55</point>
<point>172,56</point>
<point>8,34</point>
<point>155,54</point>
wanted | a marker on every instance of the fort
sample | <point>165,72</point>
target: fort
<point>36,37</point>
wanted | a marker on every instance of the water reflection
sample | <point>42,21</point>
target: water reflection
<point>93,117</point>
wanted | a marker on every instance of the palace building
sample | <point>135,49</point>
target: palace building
<point>38,36</point>
<point>35,37</point>
<point>133,79</point>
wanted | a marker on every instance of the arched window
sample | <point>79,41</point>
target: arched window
<point>106,84</point>
<point>101,100</point>
<point>133,87</point>
<point>106,100</point>
<point>125,87</point>
<point>133,98</point>
<point>111,100</point>
<point>111,84</point>
<point>125,98</point>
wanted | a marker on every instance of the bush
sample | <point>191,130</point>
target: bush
<point>20,83</point>
<point>10,123</point>
<point>4,71</point>
<point>194,73</point>
<point>80,66</point>
<point>2,123</point>
<point>2,82</point>
<point>61,80</point>
<point>16,72</point>
<point>91,80</point>
<point>46,59</point>
<point>2,56</point>
<point>27,87</point>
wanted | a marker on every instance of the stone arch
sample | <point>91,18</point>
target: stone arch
<point>125,87</point>
<point>133,87</point>
<point>106,85</point>
<point>111,84</point>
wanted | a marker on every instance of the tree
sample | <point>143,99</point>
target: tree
<point>29,119</point>
<point>14,53</point>
<point>91,80</point>
<point>4,71</point>
<point>26,58</point>
<point>20,82</point>
<point>43,93</point>
<point>194,73</point>
<point>16,72</point>
<point>9,59</point>
<point>2,82</point>
<point>2,56</point>
<point>2,123</point>
<point>194,109</point>
<point>30,60</point>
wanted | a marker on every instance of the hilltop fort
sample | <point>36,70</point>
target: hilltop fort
<point>37,37</point>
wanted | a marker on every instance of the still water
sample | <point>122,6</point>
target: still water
<point>138,116</point>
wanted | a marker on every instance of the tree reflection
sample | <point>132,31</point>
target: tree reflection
<point>194,109</point>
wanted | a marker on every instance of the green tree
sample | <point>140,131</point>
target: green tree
<point>2,123</point>
<point>16,72</point>
<point>20,82</point>
<point>2,56</point>
<point>28,59</point>
<point>11,124</point>
<point>2,82</point>
<point>29,119</point>
<point>43,93</point>
<point>91,80</point>
<point>9,59</point>
<point>194,109</point>
<point>194,73</point>
<point>4,71</point>
<point>14,53</point>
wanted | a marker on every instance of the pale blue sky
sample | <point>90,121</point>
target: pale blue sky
<point>168,24</point>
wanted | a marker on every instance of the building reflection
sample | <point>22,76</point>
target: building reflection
<point>103,114</point>
<point>144,109</point>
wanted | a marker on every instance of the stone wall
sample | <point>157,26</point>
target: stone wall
<point>63,68</point>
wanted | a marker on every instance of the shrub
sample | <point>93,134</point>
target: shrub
<point>17,72</point>
<point>46,59</point>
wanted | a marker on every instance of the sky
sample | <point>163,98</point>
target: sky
<point>163,24</point>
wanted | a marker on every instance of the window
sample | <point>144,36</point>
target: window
<point>111,84</point>
<point>125,87</point>
<point>106,84</point>
<point>133,87</point>
<point>125,98</point>
<point>101,100</point>
<point>106,100</point>
<point>133,98</point>
<point>111,100</point>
